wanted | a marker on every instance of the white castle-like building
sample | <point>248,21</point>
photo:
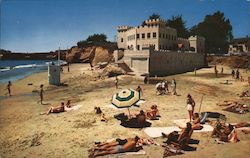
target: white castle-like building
<point>155,34</point>
<point>152,49</point>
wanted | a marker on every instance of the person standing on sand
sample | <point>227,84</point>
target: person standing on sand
<point>146,79</point>
<point>233,73</point>
<point>139,90</point>
<point>8,88</point>
<point>222,70</point>
<point>237,74</point>
<point>174,87</point>
<point>190,106</point>
<point>68,67</point>
<point>116,82</point>
<point>216,73</point>
<point>41,93</point>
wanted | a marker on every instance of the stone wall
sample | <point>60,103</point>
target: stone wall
<point>163,63</point>
<point>168,63</point>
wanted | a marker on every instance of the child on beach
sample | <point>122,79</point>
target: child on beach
<point>41,93</point>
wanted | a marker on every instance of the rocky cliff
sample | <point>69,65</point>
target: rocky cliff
<point>91,54</point>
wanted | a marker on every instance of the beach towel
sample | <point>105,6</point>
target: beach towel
<point>133,123</point>
<point>155,132</point>
<point>76,107</point>
<point>182,123</point>
<point>213,115</point>
<point>140,152</point>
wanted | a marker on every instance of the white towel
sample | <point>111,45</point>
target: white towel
<point>75,107</point>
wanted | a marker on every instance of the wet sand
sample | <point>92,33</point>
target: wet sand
<point>26,133</point>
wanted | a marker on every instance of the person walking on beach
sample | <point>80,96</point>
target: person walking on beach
<point>41,93</point>
<point>8,88</point>
<point>190,106</point>
<point>116,82</point>
<point>174,87</point>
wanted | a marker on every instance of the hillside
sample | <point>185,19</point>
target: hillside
<point>231,61</point>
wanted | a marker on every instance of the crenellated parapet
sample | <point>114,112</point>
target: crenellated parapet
<point>124,28</point>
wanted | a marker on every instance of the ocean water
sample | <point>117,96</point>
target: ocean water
<point>11,70</point>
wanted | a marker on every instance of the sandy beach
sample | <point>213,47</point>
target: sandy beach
<point>26,133</point>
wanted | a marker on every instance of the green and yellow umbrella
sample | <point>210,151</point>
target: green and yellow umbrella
<point>125,98</point>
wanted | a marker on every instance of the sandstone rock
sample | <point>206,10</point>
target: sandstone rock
<point>93,54</point>
<point>112,70</point>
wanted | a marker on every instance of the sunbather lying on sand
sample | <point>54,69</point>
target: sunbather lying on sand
<point>244,94</point>
<point>57,109</point>
<point>152,113</point>
<point>130,145</point>
<point>226,82</point>
<point>106,145</point>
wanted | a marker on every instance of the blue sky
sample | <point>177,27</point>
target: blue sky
<point>45,25</point>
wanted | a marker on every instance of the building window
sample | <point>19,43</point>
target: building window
<point>159,35</point>
<point>172,37</point>
<point>163,35</point>
<point>138,47</point>
<point>121,39</point>
<point>159,46</point>
<point>137,35</point>
<point>143,36</point>
<point>148,35</point>
<point>154,34</point>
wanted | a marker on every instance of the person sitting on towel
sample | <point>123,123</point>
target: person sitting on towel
<point>196,122</point>
<point>130,145</point>
<point>141,117</point>
<point>181,139</point>
<point>98,110</point>
<point>152,113</point>
<point>68,104</point>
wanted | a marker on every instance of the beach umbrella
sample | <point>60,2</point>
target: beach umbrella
<point>125,98</point>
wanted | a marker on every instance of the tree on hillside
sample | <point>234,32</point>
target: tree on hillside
<point>97,38</point>
<point>180,25</point>
<point>5,51</point>
<point>217,31</point>
<point>154,16</point>
<point>93,39</point>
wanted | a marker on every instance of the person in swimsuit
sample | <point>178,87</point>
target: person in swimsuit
<point>190,106</point>
<point>57,109</point>
<point>128,146</point>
